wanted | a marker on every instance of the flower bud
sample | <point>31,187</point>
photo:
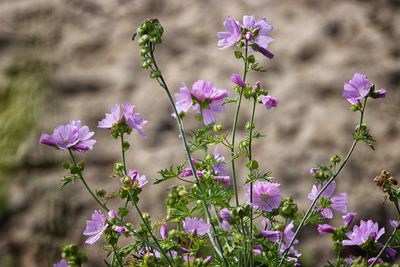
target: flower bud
<point>252,165</point>
<point>218,127</point>
<point>225,214</point>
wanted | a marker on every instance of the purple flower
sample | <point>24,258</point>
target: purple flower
<point>357,88</point>
<point>390,252</point>
<point>394,223</point>
<point>361,234</point>
<point>226,226</point>
<point>324,229</point>
<point>260,40</point>
<point>266,195</point>
<point>95,227</point>
<point>70,136</point>
<point>256,86</point>
<point>120,229</point>
<point>220,170</point>
<point>136,177</point>
<point>61,263</point>
<point>313,171</point>
<point>257,249</point>
<point>164,231</point>
<point>188,172</point>
<point>381,93</point>
<point>196,226</point>
<point>255,32</point>
<point>269,101</point>
<point>338,202</point>
<point>112,214</point>
<point>203,98</point>
<point>273,236</point>
<point>348,218</point>
<point>371,260</point>
<point>231,36</point>
<point>132,119</point>
<point>225,214</point>
<point>236,79</point>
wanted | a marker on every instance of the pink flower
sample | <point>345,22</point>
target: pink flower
<point>70,136</point>
<point>132,119</point>
<point>362,233</point>
<point>203,98</point>
<point>61,263</point>
<point>196,226</point>
<point>357,88</point>
<point>338,202</point>
<point>95,227</point>
<point>269,102</point>
<point>266,195</point>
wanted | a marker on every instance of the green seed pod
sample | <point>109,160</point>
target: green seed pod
<point>252,165</point>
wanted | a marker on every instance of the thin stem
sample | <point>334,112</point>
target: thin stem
<point>123,154</point>
<point>234,127</point>
<point>163,84</point>
<point>313,204</point>
<point>251,175</point>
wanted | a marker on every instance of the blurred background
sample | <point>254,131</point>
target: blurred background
<point>74,59</point>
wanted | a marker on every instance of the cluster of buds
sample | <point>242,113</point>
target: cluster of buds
<point>149,33</point>
<point>385,182</point>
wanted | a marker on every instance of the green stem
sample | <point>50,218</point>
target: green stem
<point>234,127</point>
<point>313,204</point>
<point>123,154</point>
<point>163,84</point>
<point>392,236</point>
<point>251,176</point>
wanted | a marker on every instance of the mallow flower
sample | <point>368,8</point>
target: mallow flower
<point>271,235</point>
<point>367,230</point>
<point>288,235</point>
<point>204,98</point>
<point>269,101</point>
<point>328,202</point>
<point>95,227</point>
<point>357,88</point>
<point>196,226</point>
<point>70,136</point>
<point>253,31</point>
<point>266,195</point>
<point>123,113</point>
<point>221,174</point>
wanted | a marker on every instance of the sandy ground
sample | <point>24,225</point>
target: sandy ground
<point>318,46</point>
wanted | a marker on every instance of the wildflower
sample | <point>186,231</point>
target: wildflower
<point>61,263</point>
<point>196,226</point>
<point>266,195</point>
<point>95,227</point>
<point>324,229</point>
<point>112,214</point>
<point>348,218</point>
<point>226,226</point>
<point>381,93</point>
<point>70,136</point>
<point>133,120</point>
<point>269,102</point>
<point>220,170</point>
<point>231,36</point>
<point>203,98</point>
<point>371,260</point>
<point>273,236</point>
<point>394,223</point>
<point>236,79</point>
<point>225,214</point>
<point>164,231</point>
<point>120,229</point>
<point>367,230</point>
<point>357,88</point>
<point>188,172</point>
<point>338,202</point>
<point>313,171</point>
<point>134,176</point>
<point>254,32</point>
